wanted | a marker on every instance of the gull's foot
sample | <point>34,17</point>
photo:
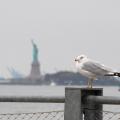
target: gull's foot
<point>90,87</point>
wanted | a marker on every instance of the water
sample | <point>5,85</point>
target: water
<point>16,90</point>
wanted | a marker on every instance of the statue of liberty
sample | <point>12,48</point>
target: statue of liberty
<point>35,66</point>
<point>35,52</point>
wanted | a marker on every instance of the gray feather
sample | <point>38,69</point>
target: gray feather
<point>96,68</point>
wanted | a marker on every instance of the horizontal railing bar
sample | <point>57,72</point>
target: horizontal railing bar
<point>43,99</point>
<point>104,99</point>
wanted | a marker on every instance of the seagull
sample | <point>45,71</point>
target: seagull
<point>92,69</point>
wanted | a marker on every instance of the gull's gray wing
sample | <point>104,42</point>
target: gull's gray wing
<point>96,68</point>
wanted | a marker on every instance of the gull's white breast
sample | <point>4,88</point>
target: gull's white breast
<point>84,72</point>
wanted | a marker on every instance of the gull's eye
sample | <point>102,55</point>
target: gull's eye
<point>81,57</point>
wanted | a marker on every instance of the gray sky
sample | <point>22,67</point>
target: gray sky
<point>62,29</point>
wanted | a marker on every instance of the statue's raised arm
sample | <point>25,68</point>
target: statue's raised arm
<point>35,51</point>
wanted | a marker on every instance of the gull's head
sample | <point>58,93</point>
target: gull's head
<point>80,58</point>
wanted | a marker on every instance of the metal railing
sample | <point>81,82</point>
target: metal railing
<point>104,99</point>
<point>106,115</point>
<point>80,104</point>
<point>52,115</point>
<point>39,99</point>
<point>49,115</point>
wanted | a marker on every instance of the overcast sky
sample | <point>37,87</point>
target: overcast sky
<point>62,29</point>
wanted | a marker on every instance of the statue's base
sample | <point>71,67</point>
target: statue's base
<point>35,71</point>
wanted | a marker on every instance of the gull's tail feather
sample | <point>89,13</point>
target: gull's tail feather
<point>113,74</point>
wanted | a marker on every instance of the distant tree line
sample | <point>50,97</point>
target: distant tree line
<point>74,78</point>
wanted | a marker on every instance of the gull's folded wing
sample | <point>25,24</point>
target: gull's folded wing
<point>96,68</point>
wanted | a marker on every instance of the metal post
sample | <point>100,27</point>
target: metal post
<point>76,104</point>
<point>73,104</point>
<point>92,111</point>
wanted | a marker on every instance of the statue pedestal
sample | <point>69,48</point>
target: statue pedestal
<point>35,71</point>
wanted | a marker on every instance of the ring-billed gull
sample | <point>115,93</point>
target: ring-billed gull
<point>92,69</point>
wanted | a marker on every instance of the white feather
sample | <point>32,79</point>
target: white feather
<point>91,69</point>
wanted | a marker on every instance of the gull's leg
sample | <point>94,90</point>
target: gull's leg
<point>91,81</point>
<point>88,83</point>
